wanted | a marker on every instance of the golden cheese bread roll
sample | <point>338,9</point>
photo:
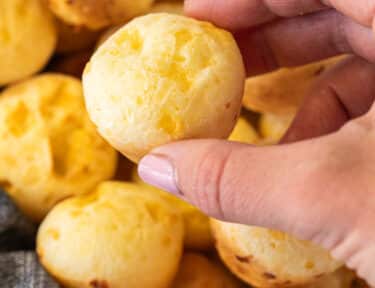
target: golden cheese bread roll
<point>162,78</point>
<point>197,225</point>
<point>244,132</point>
<point>114,237</point>
<point>282,91</point>
<point>49,149</point>
<point>27,38</point>
<point>266,258</point>
<point>272,127</point>
<point>73,38</point>
<point>198,271</point>
<point>100,13</point>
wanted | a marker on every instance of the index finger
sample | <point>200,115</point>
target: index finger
<point>241,14</point>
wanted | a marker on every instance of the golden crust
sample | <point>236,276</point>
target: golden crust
<point>266,258</point>
<point>281,92</point>
<point>27,39</point>
<point>116,237</point>
<point>96,14</point>
<point>164,77</point>
<point>49,149</point>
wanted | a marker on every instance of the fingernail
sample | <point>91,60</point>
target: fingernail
<point>158,171</point>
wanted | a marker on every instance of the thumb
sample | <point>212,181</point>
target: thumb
<point>280,187</point>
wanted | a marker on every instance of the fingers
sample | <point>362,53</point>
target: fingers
<point>248,13</point>
<point>302,40</point>
<point>265,186</point>
<point>344,92</point>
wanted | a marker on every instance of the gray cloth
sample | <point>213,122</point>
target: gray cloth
<point>19,266</point>
<point>22,270</point>
<point>16,232</point>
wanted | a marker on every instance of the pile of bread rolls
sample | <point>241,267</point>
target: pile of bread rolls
<point>150,76</point>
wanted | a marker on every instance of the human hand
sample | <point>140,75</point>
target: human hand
<point>322,189</point>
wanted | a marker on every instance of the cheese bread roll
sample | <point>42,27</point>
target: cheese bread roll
<point>27,38</point>
<point>198,271</point>
<point>266,258</point>
<point>114,237</point>
<point>49,149</point>
<point>99,13</point>
<point>282,91</point>
<point>163,78</point>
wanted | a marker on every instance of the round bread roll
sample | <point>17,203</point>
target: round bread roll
<point>273,127</point>
<point>197,225</point>
<point>27,38</point>
<point>162,78</point>
<point>74,38</point>
<point>197,271</point>
<point>266,258</point>
<point>100,13</point>
<point>281,92</point>
<point>114,237</point>
<point>49,149</point>
<point>244,132</point>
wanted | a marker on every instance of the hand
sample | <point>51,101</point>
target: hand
<point>322,189</point>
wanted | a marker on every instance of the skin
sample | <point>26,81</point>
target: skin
<point>319,183</point>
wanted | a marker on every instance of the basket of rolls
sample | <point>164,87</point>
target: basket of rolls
<point>88,88</point>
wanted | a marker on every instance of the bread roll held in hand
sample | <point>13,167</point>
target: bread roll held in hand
<point>163,78</point>
<point>27,38</point>
<point>99,13</point>
<point>49,149</point>
<point>115,237</point>
<point>266,258</point>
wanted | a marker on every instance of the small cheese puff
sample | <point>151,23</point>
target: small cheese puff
<point>270,259</point>
<point>163,78</point>
<point>114,237</point>
<point>27,38</point>
<point>100,13</point>
<point>49,149</point>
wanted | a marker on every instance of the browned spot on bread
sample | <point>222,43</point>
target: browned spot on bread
<point>269,275</point>
<point>227,105</point>
<point>319,275</point>
<point>287,282</point>
<point>243,259</point>
<point>98,284</point>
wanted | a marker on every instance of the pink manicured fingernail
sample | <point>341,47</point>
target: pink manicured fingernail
<point>158,171</point>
